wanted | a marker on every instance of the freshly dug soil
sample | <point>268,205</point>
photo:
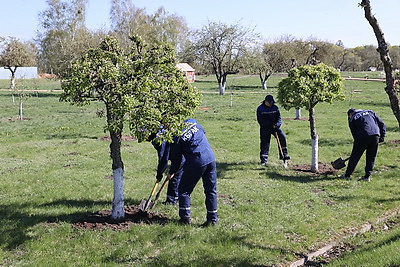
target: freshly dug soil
<point>133,215</point>
<point>323,169</point>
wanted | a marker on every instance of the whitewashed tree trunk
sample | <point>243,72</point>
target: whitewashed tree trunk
<point>298,114</point>
<point>314,155</point>
<point>12,84</point>
<point>21,117</point>
<point>264,85</point>
<point>222,88</point>
<point>118,201</point>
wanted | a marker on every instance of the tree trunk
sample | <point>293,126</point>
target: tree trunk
<point>385,58</point>
<point>117,167</point>
<point>13,71</point>
<point>314,155</point>
<point>314,141</point>
<point>221,88</point>
<point>298,114</point>
<point>264,85</point>
<point>20,116</point>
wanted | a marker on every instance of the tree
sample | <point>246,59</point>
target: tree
<point>141,87</point>
<point>385,58</point>
<point>16,54</point>
<point>256,62</point>
<point>63,36</point>
<point>127,20</point>
<point>306,86</point>
<point>222,47</point>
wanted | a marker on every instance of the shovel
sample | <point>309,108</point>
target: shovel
<point>152,204</point>
<point>339,163</point>
<point>280,149</point>
<point>145,204</point>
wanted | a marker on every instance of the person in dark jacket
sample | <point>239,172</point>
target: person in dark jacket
<point>200,163</point>
<point>269,119</point>
<point>163,152</point>
<point>367,130</point>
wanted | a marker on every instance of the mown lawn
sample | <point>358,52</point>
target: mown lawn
<point>54,169</point>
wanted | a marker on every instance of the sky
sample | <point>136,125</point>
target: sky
<point>324,20</point>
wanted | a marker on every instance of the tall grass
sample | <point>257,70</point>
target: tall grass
<point>55,167</point>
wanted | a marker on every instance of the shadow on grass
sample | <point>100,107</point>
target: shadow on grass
<point>329,142</point>
<point>312,178</point>
<point>18,218</point>
<point>274,172</point>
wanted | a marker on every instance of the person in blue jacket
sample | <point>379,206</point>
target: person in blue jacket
<point>269,119</point>
<point>367,130</point>
<point>163,152</point>
<point>193,145</point>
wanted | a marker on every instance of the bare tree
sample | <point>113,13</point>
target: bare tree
<point>222,47</point>
<point>385,58</point>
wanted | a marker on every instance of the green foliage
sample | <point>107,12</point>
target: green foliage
<point>55,170</point>
<point>142,87</point>
<point>16,53</point>
<point>309,85</point>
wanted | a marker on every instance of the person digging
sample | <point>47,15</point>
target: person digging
<point>269,119</point>
<point>367,130</point>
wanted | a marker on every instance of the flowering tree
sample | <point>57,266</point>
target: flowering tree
<point>306,86</point>
<point>142,88</point>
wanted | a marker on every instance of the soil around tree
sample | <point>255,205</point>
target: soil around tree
<point>133,215</point>
<point>323,169</point>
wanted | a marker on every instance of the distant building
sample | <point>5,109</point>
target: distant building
<point>21,73</point>
<point>189,71</point>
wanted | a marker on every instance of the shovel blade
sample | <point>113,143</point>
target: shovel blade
<point>338,164</point>
<point>142,205</point>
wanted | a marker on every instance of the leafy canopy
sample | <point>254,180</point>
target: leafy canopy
<point>308,85</point>
<point>142,87</point>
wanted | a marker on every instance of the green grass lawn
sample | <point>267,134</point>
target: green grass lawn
<point>54,169</point>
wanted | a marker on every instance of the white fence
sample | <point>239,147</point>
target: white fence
<point>22,73</point>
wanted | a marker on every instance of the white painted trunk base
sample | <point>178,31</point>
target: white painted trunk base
<point>314,155</point>
<point>118,201</point>
<point>222,89</point>
<point>298,114</point>
<point>264,85</point>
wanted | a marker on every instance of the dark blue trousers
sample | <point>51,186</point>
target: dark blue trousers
<point>368,144</point>
<point>172,192</point>
<point>191,176</point>
<point>265,139</point>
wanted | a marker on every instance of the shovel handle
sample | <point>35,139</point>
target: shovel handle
<point>153,190</point>
<point>161,189</point>
<point>279,143</point>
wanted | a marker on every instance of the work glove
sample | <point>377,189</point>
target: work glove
<point>381,139</point>
<point>159,177</point>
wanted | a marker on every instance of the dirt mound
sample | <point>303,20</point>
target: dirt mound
<point>102,219</point>
<point>323,169</point>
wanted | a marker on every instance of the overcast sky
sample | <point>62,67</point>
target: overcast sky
<point>322,19</point>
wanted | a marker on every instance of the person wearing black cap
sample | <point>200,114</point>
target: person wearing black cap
<point>367,130</point>
<point>269,119</point>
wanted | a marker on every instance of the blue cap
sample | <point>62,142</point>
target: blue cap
<point>270,99</point>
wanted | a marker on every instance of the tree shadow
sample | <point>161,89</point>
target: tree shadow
<point>17,218</point>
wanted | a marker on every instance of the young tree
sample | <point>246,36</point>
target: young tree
<point>16,54</point>
<point>385,58</point>
<point>142,88</point>
<point>222,47</point>
<point>306,86</point>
